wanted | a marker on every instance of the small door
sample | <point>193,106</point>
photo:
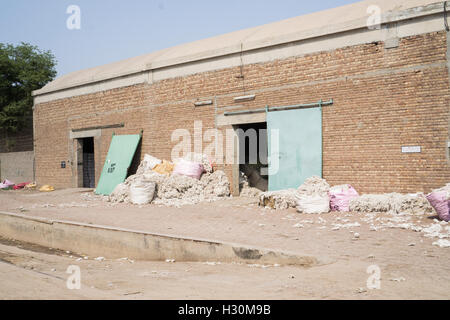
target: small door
<point>119,158</point>
<point>85,160</point>
<point>295,147</point>
<point>88,163</point>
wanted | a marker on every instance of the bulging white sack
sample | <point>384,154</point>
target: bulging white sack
<point>313,204</point>
<point>142,193</point>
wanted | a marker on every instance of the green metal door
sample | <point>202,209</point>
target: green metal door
<point>295,147</point>
<point>119,158</point>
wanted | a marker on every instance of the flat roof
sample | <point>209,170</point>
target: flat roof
<point>295,29</point>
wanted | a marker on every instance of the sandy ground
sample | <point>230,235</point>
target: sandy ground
<point>30,273</point>
<point>411,266</point>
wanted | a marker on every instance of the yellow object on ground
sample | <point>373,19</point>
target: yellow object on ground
<point>46,188</point>
<point>165,167</point>
<point>31,186</point>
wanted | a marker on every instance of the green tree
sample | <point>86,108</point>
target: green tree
<point>23,68</point>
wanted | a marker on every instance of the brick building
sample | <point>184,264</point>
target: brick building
<point>386,130</point>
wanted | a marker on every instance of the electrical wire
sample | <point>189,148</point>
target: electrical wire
<point>445,17</point>
<point>242,68</point>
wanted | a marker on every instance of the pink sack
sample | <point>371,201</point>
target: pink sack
<point>440,202</point>
<point>189,168</point>
<point>340,197</point>
<point>6,184</point>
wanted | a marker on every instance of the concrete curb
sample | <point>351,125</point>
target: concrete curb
<point>95,240</point>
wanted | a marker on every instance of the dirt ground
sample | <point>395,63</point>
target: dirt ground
<point>411,267</point>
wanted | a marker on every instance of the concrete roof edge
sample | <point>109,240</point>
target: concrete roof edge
<point>41,92</point>
<point>300,36</point>
<point>389,17</point>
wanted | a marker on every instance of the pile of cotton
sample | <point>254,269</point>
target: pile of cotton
<point>182,183</point>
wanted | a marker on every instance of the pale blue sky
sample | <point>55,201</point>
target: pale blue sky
<point>113,30</point>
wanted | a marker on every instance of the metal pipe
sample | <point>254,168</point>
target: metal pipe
<point>270,109</point>
<point>298,106</point>
<point>234,113</point>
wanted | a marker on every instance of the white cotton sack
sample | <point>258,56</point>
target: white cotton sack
<point>141,194</point>
<point>313,204</point>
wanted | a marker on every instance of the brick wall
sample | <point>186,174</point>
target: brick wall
<point>17,142</point>
<point>383,100</point>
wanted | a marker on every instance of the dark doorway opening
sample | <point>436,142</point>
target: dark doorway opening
<point>136,160</point>
<point>253,154</point>
<point>88,163</point>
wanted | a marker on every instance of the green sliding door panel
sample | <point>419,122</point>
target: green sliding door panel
<point>119,158</point>
<point>295,147</point>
